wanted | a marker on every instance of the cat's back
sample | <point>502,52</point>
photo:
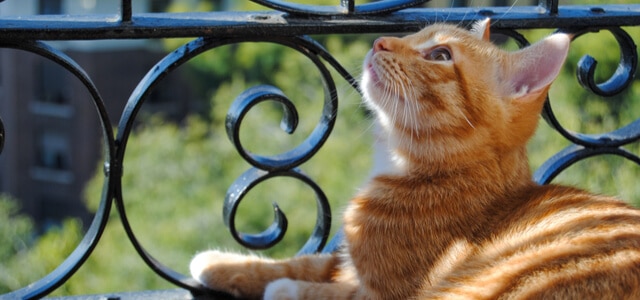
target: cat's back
<point>561,243</point>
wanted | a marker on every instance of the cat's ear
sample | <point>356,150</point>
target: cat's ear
<point>481,29</point>
<point>528,73</point>
<point>531,70</point>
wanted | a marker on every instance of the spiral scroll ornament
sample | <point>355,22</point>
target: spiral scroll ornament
<point>284,164</point>
<point>622,77</point>
<point>276,231</point>
<point>588,145</point>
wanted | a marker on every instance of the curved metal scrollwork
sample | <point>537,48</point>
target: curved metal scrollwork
<point>265,166</point>
<point>276,231</point>
<point>71,264</point>
<point>588,145</point>
<point>621,78</point>
<point>292,158</point>
<point>346,7</point>
<point>168,64</point>
<point>573,154</point>
<point>283,164</point>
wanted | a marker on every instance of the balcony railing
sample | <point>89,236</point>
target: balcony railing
<point>294,26</point>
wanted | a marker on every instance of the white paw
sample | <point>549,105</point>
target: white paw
<point>221,271</point>
<point>198,265</point>
<point>203,262</point>
<point>281,289</point>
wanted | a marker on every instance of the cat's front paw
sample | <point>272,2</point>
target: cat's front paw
<point>227,272</point>
<point>281,289</point>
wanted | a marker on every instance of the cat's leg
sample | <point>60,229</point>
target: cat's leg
<point>246,276</point>
<point>288,289</point>
<point>345,285</point>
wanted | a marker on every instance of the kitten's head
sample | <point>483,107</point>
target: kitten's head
<point>447,92</point>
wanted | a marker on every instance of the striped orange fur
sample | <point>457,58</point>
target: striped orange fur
<point>452,212</point>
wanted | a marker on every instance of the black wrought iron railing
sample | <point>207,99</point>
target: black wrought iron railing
<point>295,26</point>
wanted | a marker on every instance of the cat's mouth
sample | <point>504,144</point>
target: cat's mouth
<point>370,70</point>
<point>373,75</point>
<point>374,78</point>
<point>380,85</point>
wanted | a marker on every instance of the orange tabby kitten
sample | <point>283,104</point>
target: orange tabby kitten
<point>454,213</point>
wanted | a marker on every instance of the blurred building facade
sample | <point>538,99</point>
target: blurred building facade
<point>53,142</point>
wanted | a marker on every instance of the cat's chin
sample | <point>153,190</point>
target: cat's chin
<point>379,96</point>
<point>370,78</point>
<point>372,74</point>
<point>371,81</point>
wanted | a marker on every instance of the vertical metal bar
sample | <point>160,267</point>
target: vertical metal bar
<point>126,11</point>
<point>550,5</point>
<point>459,3</point>
<point>350,5</point>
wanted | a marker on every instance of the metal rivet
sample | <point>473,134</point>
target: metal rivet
<point>261,17</point>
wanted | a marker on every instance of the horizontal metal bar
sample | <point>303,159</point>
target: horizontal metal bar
<point>273,23</point>
<point>161,294</point>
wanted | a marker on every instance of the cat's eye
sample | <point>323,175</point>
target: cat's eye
<point>438,54</point>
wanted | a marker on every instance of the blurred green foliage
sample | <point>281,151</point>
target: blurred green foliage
<point>176,174</point>
<point>25,258</point>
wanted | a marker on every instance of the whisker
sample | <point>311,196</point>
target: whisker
<point>469,122</point>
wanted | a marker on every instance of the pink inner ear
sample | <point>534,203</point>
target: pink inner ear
<point>535,67</point>
<point>481,29</point>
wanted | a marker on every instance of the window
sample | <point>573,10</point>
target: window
<point>53,151</point>
<point>50,7</point>
<point>50,83</point>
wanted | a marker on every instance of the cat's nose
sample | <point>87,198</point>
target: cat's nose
<point>381,44</point>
